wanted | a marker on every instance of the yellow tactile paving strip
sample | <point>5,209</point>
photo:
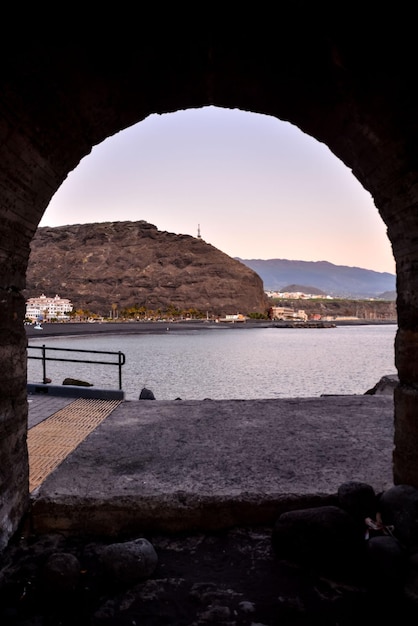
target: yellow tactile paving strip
<point>53,439</point>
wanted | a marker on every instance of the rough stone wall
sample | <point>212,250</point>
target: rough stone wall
<point>13,415</point>
<point>60,98</point>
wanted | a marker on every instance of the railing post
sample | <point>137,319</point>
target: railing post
<point>121,359</point>
<point>44,364</point>
<point>121,362</point>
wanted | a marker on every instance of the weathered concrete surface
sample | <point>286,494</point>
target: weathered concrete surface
<point>202,465</point>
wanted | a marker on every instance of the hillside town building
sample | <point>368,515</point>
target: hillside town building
<point>286,313</point>
<point>297,295</point>
<point>46,309</point>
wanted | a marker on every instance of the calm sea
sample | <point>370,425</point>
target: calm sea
<point>232,364</point>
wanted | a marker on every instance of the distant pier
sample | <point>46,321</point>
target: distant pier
<point>301,324</point>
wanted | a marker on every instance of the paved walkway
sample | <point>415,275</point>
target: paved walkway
<point>41,406</point>
<point>201,465</point>
<point>51,440</point>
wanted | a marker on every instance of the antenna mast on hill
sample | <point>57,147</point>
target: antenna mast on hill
<point>198,232</point>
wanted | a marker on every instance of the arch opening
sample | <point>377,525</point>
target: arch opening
<point>249,180</point>
<point>323,89</point>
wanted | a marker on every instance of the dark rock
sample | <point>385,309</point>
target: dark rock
<point>386,561</point>
<point>129,562</point>
<point>75,381</point>
<point>61,573</point>
<point>398,507</point>
<point>411,582</point>
<point>327,538</point>
<point>358,499</point>
<point>385,386</point>
<point>146,394</point>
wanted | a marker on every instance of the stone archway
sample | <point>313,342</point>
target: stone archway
<point>59,99</point>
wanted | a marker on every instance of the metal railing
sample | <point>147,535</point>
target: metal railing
<point>44,358</point>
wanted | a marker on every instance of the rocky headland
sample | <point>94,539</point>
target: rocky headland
<point>117,265</point>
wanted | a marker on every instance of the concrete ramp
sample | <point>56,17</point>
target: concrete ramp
<point>174,466</point>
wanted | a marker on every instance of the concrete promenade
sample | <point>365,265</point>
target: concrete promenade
<point>203,465</point>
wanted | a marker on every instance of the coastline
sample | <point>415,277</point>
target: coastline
<point>117,328</point>
<point>69,329</point>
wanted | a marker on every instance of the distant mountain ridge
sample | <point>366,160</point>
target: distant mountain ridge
<point>303,289</point>
<point>335,280</point>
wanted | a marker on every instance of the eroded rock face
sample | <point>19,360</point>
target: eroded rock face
<point>134,264</point>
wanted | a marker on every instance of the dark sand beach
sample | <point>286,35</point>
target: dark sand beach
<point>84,328</point>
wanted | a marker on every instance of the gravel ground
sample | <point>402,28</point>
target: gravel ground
<point>230,578</point>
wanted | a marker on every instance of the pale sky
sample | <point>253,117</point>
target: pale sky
<point>258,187</point>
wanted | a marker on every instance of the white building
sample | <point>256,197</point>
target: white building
<point>286,313</point>
<point>238,317</point>
<point>43,308</point>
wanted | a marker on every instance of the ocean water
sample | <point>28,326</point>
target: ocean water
<point>230,364</point>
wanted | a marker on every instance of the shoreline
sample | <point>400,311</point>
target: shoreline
<point>68,329</point>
